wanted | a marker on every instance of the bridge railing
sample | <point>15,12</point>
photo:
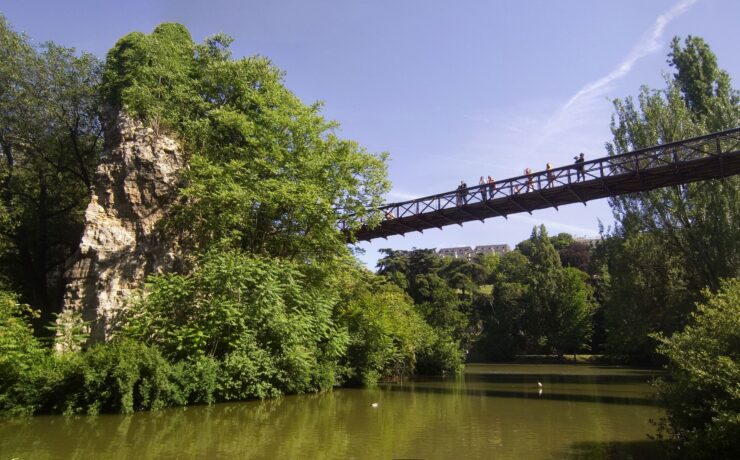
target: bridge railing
<point>633,162</point>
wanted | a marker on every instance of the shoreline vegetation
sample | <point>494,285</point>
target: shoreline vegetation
<point>266,298</point>
<point>567,359</point>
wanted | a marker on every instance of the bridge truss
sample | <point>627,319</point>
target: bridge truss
<point>713,156</point>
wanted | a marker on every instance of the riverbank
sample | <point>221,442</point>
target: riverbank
<point>566,359</point>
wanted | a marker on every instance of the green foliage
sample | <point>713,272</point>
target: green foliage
<point>268,175</point>
<point>442,356</point>
<point>571,316</point>
<point>119,377</point>
<point>387,335</point>
<point>122,376</point>
<point>698,221</point>
<point>671,243</point>
<point>444,290</point>
<point>647,293</point>
<point>542,287</point>
<point>536,305</point>
<point>705,88</point>
<point>50,138</point>
<point>20,351</point>
<point>153,76</point>
<point>702,395</point>
<point>504,331</point>
<point>259,316</point>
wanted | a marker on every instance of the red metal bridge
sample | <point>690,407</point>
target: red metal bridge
<point>712,156</point>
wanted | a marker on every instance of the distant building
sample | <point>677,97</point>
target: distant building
<point>466,252</point>
<point>585,240</point>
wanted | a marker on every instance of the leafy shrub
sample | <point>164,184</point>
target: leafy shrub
<point>442,356</point>
<point>270,329</point>
<point>702,396</point>
<point>197,380</point>
<point>20,355</point>
<point>387,334</point>
<point>121,376</point>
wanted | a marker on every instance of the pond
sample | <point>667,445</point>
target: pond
<point>492,411</point>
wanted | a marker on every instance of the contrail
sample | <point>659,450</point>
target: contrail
<point>592,92</point>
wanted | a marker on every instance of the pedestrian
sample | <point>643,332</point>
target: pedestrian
<point>530,181</point>
<point>491,187</point>
<point>482,187</point>
<point>462,193</point>
<point>550,175</point>
<point>579,160</point>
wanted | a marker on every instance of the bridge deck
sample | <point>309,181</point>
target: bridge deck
<point>708,157</point>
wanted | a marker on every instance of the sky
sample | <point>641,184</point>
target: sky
<point>451,89</point>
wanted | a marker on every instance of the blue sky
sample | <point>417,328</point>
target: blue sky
<point>452,89</point>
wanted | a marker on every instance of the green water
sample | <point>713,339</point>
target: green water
<point>492,412</point>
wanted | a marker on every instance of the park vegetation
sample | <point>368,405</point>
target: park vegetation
<point>268,298</point>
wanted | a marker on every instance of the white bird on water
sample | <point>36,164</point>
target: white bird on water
<point>539,384</point>
<point>374,405</point>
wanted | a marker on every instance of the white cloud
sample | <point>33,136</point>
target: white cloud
<point>592,94</point>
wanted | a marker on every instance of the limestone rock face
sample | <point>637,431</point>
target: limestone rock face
<point>136,183</point>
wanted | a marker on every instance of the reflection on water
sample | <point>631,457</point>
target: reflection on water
<point>493,411</point>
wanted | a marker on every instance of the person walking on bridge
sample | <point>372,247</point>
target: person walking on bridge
<point>550,175</point>
<point>491,187</point>
<point>579,167</point>
<point>482,184</point>
<point>462,191</point>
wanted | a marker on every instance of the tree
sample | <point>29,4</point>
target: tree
<point>387,335</point>
<point>268,175</point>
<point>647,292</point>
<point>699,221</point>
<point>701,397</point>
<point>577,254</point>
<point>504,334</point>
<point>444,290</point>
<point>544,263</point>
<point>678,239</point>
<point>571,318</point>
<point>562,241</point>
<point>271,329</point>
<point>536,305</point>
<point>50,141</point>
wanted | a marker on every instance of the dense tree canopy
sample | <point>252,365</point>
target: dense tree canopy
<point>50,139</point>
<point>672,243</point>
<point>267,173</point>
<point>691,232</point>
<point>522,302</point>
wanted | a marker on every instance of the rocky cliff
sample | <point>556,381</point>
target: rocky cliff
<point>135,185</point>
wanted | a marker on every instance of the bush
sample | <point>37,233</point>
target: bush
<point>196,380</point>
<point>702,396</point>
<point>271,330</point>
<point>122,376</point>
<point>21,354</point>
<point>440,357</point>
<point>388,336</point>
